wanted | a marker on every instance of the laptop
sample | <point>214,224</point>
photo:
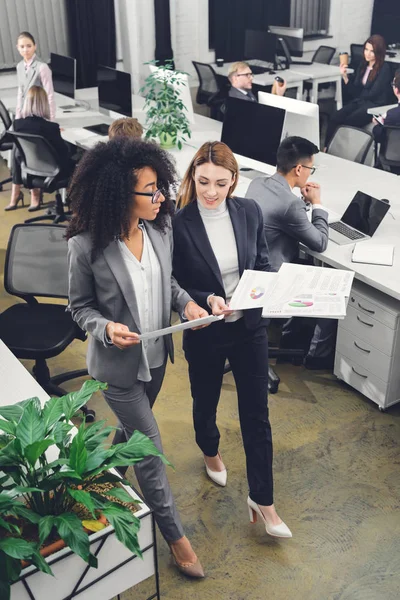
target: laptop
<point>360,220</point>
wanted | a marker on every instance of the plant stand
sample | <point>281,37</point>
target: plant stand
<point>118,569</point>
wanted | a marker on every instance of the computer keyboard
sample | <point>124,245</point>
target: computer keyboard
<point>346,231</point>
<point>257,70</point>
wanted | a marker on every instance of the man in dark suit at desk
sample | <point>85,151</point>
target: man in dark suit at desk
<point>287,225</point>
<point>392,117</point>
<point>241,80</point>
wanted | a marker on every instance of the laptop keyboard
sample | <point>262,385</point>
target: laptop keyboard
<point>346,231</point>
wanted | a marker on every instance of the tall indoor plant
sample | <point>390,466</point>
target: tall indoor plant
<point>45,471</point>
<point>166,115</point>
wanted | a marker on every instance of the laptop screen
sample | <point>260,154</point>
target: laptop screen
<point>365,213</point>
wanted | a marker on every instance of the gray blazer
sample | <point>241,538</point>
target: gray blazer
<point>285,220</point>
<point>102,291</point>
<point>235,93</point>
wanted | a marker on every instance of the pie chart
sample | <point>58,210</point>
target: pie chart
<point>257,292</point>
<point>300,304</point>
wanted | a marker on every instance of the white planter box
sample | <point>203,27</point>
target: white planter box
<point>118,569</point>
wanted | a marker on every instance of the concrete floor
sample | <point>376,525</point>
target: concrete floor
<point>337,486</point>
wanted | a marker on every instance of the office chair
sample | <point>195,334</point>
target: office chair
<point>5,143</point>
<point>323,55</point>
<point>352,144</point>
<point>389,154</point>
<point>356,55</point>
<point>41,168</point>
<point>36,265</point>
<point>209,91</point>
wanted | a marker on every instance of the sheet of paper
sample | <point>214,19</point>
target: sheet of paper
<point>253,289</point>
<point>320,280</point>
<point>180,326</point>
<point>308,305</point>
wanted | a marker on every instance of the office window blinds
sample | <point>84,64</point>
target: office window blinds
<point>312,15</point>
<point>45,19</point>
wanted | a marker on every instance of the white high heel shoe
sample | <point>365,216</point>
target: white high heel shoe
<point>280,530</point>
<point>219,477</point>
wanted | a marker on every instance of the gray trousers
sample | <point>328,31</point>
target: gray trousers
<point>132,407</point>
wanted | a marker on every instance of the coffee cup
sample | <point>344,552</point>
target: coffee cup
<point>344,58</point>
<point>220,62</point>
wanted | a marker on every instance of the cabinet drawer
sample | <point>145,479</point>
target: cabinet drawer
<point>362,380</point>
<point>373,309</point>
<point>364,354</point>
<point>370,330</point>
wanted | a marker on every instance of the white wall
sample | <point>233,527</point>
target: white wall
<point>350,22</point>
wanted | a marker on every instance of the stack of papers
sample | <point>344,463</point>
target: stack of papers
<point>295,291</point>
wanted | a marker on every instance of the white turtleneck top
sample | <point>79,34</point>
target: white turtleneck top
<point>218,225</point>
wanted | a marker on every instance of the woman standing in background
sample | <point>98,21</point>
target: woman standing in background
<point>32,71</point>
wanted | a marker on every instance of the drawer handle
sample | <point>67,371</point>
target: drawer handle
<point>371,312</point>
<point>364,322</point>
<point>362,349</point>
<point>359,374</point>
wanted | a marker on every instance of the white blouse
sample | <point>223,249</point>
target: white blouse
<point>218,225</point>
<point>146,280</point>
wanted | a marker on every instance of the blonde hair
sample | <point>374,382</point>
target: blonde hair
<point>127,127</point>
<point>234,68</point>
<point>216,153</point>
<point>36,103</point>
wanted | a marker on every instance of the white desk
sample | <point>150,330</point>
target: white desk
<point>393,59</point>
<point>292,78</point>
<point>381,110</point>
<point>17,383</point>
<point>319,73</point>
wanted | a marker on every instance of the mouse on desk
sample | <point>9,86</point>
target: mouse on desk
<point>272,72</point>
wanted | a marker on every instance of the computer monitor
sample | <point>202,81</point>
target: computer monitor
<point>253,130</point>
<point>293,37</point>
<point>63,69</point>
<point>115,91</point>
<point>301,118</point>
<point>181,84</point>
<point>260,45</point>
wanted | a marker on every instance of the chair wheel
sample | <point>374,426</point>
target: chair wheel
<point>90,415</point>
<point>273,387</point>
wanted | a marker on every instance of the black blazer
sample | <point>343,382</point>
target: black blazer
<point>194,264</point>
<point>50,131</point>
<point>375,92</point>
<point>392,119</point>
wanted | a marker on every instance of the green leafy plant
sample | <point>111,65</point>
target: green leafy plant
<point>45,470</point>
<point>166,115</point>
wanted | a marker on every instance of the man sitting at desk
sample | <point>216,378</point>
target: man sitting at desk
<point>286,225</point>
<point>392,117</point>
<point>241,79</point>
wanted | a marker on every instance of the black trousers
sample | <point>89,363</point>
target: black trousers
<point>247,351</point>
<point>353,114</point>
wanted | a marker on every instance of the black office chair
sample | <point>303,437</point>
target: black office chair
<point>352,144</point>
<point>209,91</point>
<point>36,265</point>
<point>322,55</point>
<point>389,154</point>
<point>41,168</point>
<point>356,55</point>
<point>5,143</point>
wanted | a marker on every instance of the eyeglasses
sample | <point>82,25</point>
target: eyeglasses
<point>249,75</point>
<point>155,196</point>
<point>312,169</point>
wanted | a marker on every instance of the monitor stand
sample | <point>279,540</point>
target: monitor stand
<point>100,129</point>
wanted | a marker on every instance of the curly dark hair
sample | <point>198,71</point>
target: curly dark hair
<point>101,189</point>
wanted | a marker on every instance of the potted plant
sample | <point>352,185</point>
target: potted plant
<point>166,118</point>
<point>47,472</point>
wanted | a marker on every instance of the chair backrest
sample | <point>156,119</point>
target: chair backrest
<point>38,157</point>
<point>36,261</point>
<point>324,55</point>
<point>389,154</point>
<point>351,143</point>
<point>207,78</point>
<point>356,55</point>
<point>5,117</point>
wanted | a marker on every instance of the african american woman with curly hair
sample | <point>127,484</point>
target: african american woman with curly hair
<point>121,285</point>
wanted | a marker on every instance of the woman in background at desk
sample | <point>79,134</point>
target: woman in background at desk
<point>216,237</point>
<point>120,285</point>
<point>32,71</point>
<point>36,120</point>
<point>368,87</point>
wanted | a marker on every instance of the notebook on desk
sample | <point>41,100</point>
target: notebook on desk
<point>373,254</point>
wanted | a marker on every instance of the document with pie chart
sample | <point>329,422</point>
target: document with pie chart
<point>295,291</point>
